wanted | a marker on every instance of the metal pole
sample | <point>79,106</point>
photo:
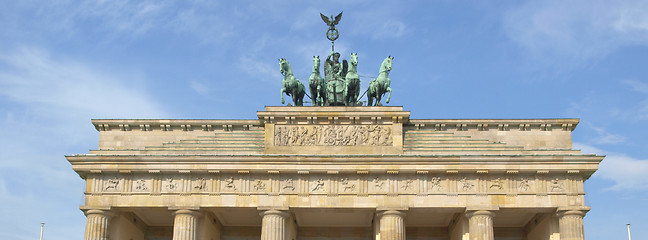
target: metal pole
<point>43,224</point>
<point>629,237</point>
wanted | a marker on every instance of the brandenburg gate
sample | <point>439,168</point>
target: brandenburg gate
<point>335,172</point>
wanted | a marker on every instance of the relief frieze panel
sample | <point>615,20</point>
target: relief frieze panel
<point>333,135</point>
<point>332,184</point>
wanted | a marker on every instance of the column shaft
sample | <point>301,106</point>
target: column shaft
<point>97,224</point>
<point>274,225</point>
<point>480,225</point>
<point>571,225</point>
<point>185,225</point>
<point>392,225</point>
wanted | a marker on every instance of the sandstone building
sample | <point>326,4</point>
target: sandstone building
<point>316,173</point>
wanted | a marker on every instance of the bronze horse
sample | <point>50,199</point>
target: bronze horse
<point>291,86</point>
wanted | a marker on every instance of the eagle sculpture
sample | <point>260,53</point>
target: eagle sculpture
<point>329,22</point>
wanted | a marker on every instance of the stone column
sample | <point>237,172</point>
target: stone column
<point>185,224</point>
<point>274,225</point>
<point>97,224</point>
<point>480,224</point>
<point>571,224</point>
<point>392,225</point>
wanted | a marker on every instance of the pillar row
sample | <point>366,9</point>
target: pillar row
<point>480,224</point>
<point>571,224</point>
<point>392,225</point>
<point>274,225</point>
<point>185,224</point>
<point>97,224</point>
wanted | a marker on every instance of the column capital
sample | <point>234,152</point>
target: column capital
<point>105,212</point>
<point>490,213</point>
<point>572,211</point>
<point>186,211</point>
<point>391,212</point>
<point>278,212</point>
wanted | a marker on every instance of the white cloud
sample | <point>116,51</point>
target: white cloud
<point>58,86</point>
<point>46,106</point>
<point>199,88</point>
<point>604,137</point>
<point>626,172</point>
<point>264,71</point>
<point>637,86</point>
<point>580,29</point>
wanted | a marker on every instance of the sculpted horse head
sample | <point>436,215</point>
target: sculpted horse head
<point>284,68</point>
<point>386,65</point>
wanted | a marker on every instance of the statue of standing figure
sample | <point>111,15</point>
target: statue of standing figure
<point>334,73</point>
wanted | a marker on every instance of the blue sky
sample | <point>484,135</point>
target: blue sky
<point>65,62</point>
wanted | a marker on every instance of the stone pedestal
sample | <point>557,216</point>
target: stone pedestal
<point>185,224</point>
<point>274,225</point>
<point>97,224</point>
<point>480,224</point>
<point>571,224</point>
<point>392,225</point>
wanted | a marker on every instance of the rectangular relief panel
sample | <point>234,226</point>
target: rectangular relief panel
<point>333,139</point>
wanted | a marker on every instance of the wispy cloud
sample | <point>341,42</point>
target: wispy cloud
<point>604,137</point>
<point>199,88</point>
<point>48,102</point>
<point>53,86</point>
<point>577,30</point>
<point>637,86</point>
<point>626,172</point>
<point>263,71</point>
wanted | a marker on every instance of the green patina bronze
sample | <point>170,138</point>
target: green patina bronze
<point>352,81</point>
<point>341,83</point>
<point>317,84</point>
<point>379,86</point>
<point>291,86</point>
<point>334,72</point>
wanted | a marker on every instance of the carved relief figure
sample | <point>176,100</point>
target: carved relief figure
<point>524,184</point>
<point>556,186</point>
<point>465,185</point>
<point>378,184</point>
<point>289,184</point>
<point>496,184</point>
<point>229,184</point>
<point>201,184</point>
<point>333,135</point>
<point>259,185</point>
<point>347,185</point>
<point>319,185</point>
<point>408,184</point>
<point>435,184</point>
<point>140,185</point>
<point>112,184</point>
<point>170,184</point>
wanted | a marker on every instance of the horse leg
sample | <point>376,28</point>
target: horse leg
<point>378,99</point>
<point>388,96</point>
<point>357,94</point>
<point>282,93</point>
